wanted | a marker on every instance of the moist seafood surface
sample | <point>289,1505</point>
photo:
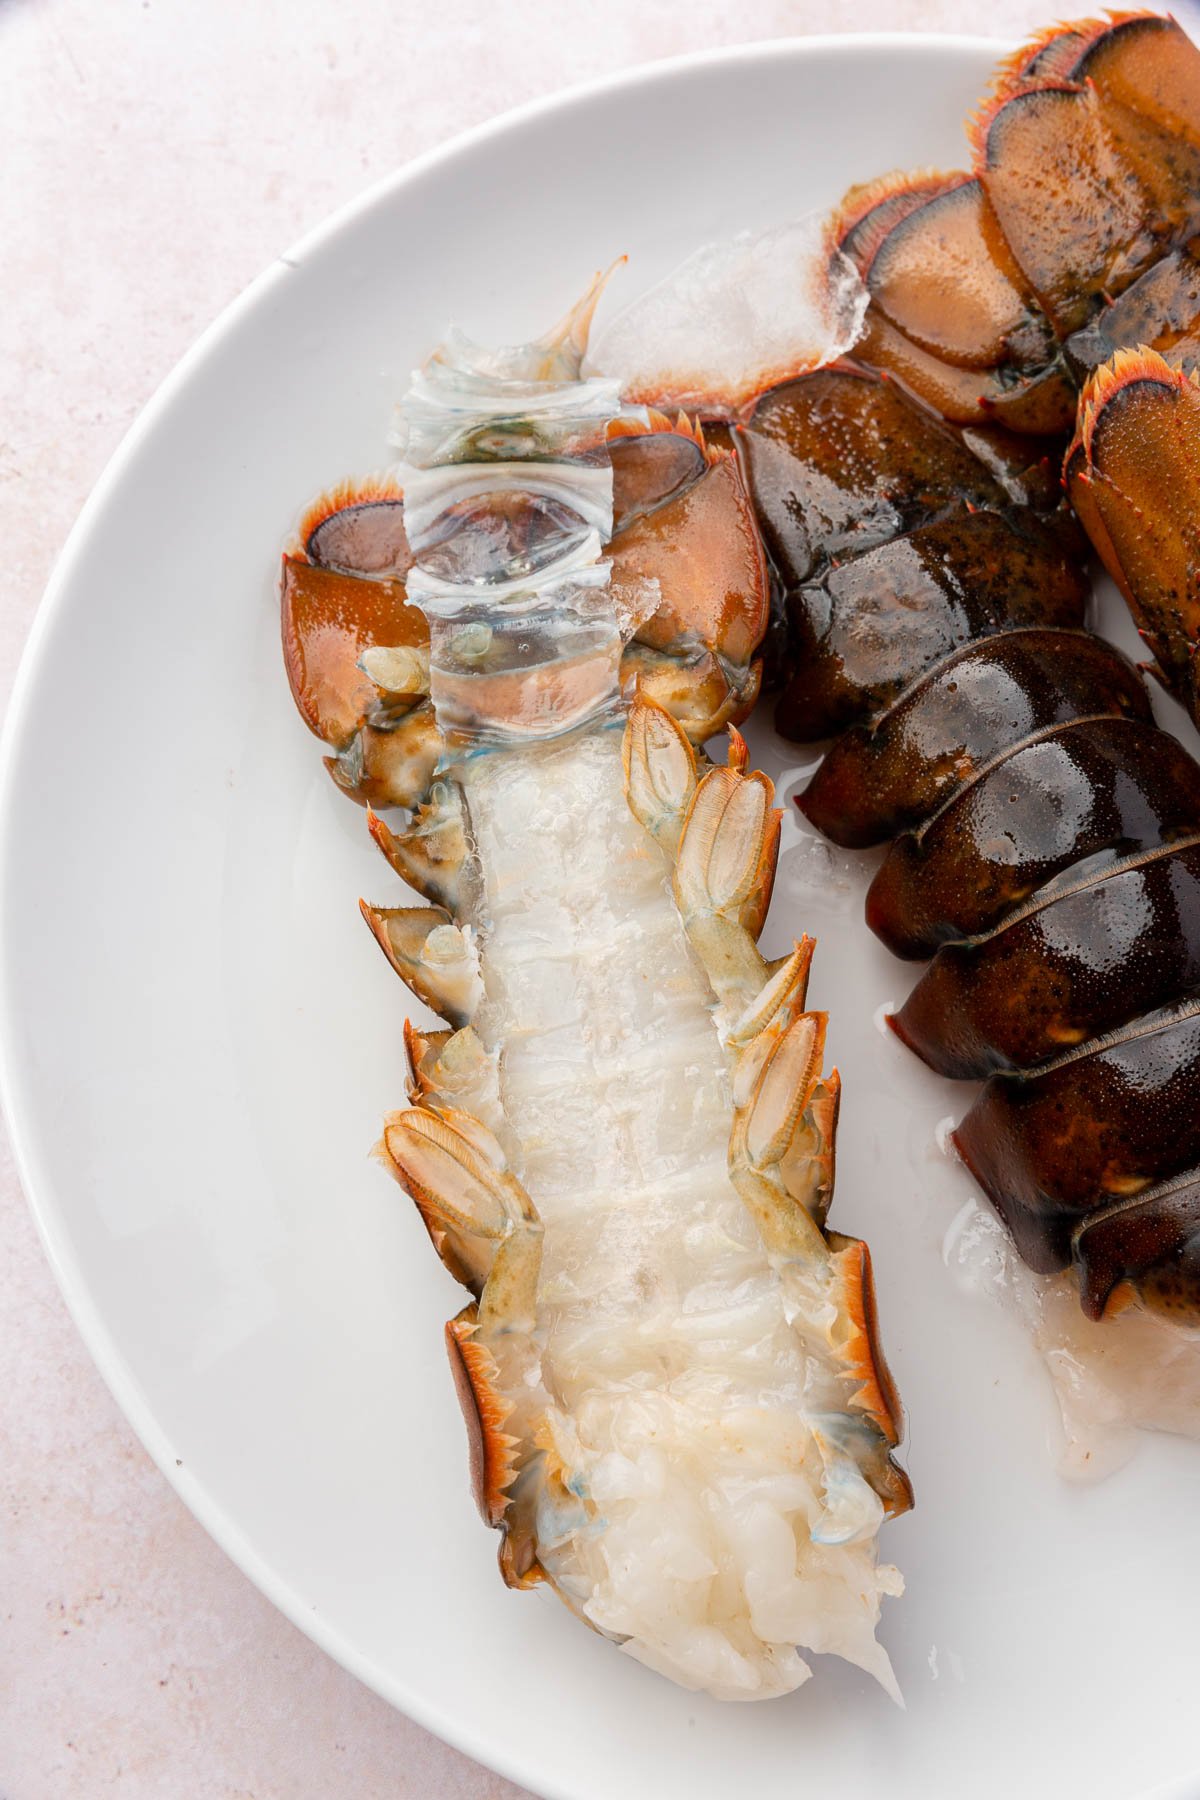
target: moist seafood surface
<point>1046,832</point>
<point>622,1142</point>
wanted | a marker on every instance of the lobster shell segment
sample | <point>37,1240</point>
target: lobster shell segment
<point>1149,1246</point>
<point>976,704</point>
<point>984,315</point>
<point>432,955</point>
<point>1048,856</point>
<point>485,1410</point>
<point>840,462</point>
<point>1133,476</point>
<point>1064,1144</point>
<point>1071,209</point>
<point>329,618</point>
<point>951,312</point>
<point>876,1394</point>
<point>1080,959</point>
<point>703,549</point>
<point>356,652</point>
<point>431,855</point>
<point>1161,311</point>
<point>1091,786</point>
<point>688,567</point>
<point>1146,74</point>
<point>870,627</point>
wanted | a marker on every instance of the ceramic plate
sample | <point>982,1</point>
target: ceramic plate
<point>200,1039</point>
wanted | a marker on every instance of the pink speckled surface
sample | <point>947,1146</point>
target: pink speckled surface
<point>156,157</point>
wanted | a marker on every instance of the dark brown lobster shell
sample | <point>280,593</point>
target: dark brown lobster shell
<point>1047,833</point>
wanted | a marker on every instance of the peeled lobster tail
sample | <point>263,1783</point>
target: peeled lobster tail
<point>621,1132</point>
<point>1048,856</point>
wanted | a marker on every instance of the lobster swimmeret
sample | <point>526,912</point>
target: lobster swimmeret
<point>1049,849</point>
<point>622,1143</point>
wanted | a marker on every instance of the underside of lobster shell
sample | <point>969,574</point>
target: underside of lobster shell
<point>330,618</point>
<point>684,528</point>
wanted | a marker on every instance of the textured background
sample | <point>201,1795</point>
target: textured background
<point>157,154</point>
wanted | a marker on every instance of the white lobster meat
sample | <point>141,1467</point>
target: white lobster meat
<point>622,1144</point>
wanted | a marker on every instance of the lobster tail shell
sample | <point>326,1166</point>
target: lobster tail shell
<point>702,548</point>
<point>329,618</point>
<point>976,343</point>
<point>1073,964</point>
<point>1049,849</point>
<point>896,539</point>
<point>1149,1246</point>
<point>1068,1145</point>
<point>1075,793</point>
<point>485,1411</point>
<point>1085,179</point>
<point>1133,475</point>
<point>1071,208</point>
<point>950,724</point>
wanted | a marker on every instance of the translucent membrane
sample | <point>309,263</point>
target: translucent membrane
<point>1112,1379</point>
<point>508,500</point>
<point>735,318</point>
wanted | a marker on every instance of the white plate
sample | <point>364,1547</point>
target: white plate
<point>200,1039</point>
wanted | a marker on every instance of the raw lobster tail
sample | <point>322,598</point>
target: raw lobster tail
<point>622,1144</point>
<point>992,295</point>
<point>1090,1147</point>
<point>895,541</point>
<point>1048,855</point>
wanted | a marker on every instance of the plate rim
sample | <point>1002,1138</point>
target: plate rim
<point>16,1088</point>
